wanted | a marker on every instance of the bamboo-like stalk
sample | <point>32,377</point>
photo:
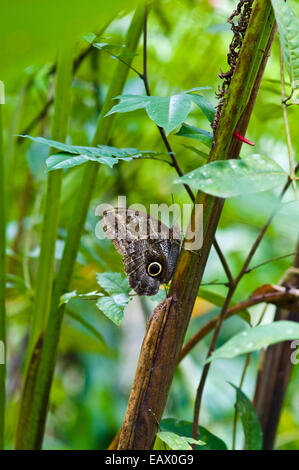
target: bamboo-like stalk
<point>44,281</point>
<point>33,427</point>
<point>168,324</point>
<point>2,288</point>
<point>45,271</point>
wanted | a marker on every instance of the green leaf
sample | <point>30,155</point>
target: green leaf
<point>196,133</point>
<point>204,156</point>
<point>169,112</point>
<point>177,442</point>
<point>184,428</point>
<point>117,285</point>
<point>250,422</point>
<point>206,107</point>
<point>113,283</point>
<point>288,27</point>
<point>68,296</point>
<point>72,339</point>
<point>256,338</point>
<point>230,178</point>
<point>74,155</point>
<point>89,37</point>
<point>129,103</point>
<point>198,88</point>
<point>65,161</point>
<point>113,306</point>
<point>86,324</point>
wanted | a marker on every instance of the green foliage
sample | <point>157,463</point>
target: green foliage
<point>257,338</point>
<point>96,360</point>
<point>175,441</point>
<point>184,428</point>
<point>204,105</point>
<point>167,112</point>
<point>117,286</point>
<point>195,133</point>
<point>231,178</point>
<point>288,26</point>
<point>250,422</point>
<point>74,155</point>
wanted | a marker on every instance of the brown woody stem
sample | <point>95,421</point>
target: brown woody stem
<point>165,335</point>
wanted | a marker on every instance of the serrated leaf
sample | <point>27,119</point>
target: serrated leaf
<point>288,27</point>
<point>64,161</point>
<point>117,285</point>
<point>184,428</point>
<point>250,422</point>
<point>177,442</point>
<point>230,178</point>
<point>256,338</point>
<point>196,133</point>
<point>74,155</point>
<point>98,151</point>
<point>113,306</point>
<point>206,107</point>
<point>113,283</point>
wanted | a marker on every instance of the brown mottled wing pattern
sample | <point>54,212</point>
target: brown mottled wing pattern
<point>142,240</point>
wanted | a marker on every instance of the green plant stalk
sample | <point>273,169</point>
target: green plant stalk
<point>2,288</point>
<point>156,366</point>
<point>34,423</point>
<point>44,282</point>
<point>45,273</point>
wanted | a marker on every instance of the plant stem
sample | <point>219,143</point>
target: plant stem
<point>166,330</point>
<point>175,163</point>
<point>233,286</point>
<point>45,271</point>
<point>2,288</point>
<point>44,280</point>
<point>245,367</point>
<point>207,366</point>
<point>35,422</point>
<point>286,125</point>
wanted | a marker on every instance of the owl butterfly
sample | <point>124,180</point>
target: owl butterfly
<point>149,248</point>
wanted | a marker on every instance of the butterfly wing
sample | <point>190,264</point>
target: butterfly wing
<point>142,240</point>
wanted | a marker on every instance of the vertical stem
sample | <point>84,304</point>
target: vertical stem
<point>166,330</point>
<point>30,437</point>
<point>200,389</point>
<point>44,282</point>
<point>45,271</point>
<point>286,124</point>
<point>2,289</point>
<point>246,364</point>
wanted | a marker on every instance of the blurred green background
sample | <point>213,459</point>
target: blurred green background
<point>187,46</point>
